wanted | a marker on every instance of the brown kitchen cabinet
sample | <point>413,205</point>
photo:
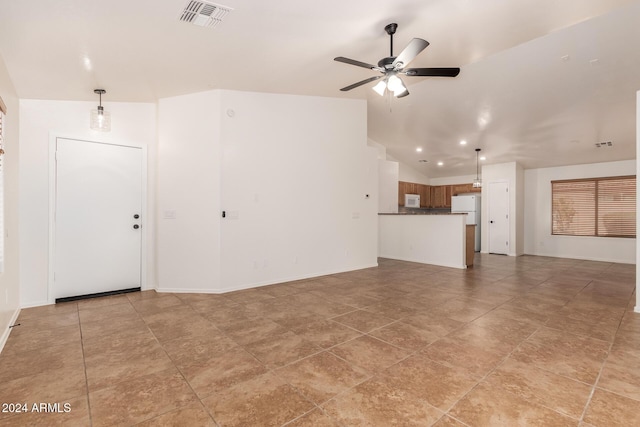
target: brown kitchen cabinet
<point>425,196</point>
<point>441,196</point>
<point>461,189</point>
<point>414,188</point>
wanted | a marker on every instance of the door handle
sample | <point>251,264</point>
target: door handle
<point>136,226</point>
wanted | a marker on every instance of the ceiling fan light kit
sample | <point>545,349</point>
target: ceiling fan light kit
<point>100,119</point>
<point>392,66</point>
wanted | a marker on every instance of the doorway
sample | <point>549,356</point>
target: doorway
<point>499,218</point>
<point>97,218</point>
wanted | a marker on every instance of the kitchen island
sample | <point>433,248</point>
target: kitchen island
<point>429,238</point>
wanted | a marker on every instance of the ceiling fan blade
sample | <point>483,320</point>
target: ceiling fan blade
<point>412,50</point>
<point>360,83</point>
<point>432,72</point>
<point>356,63</point>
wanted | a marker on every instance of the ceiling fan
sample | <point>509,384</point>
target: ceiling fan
<point>392,66</point>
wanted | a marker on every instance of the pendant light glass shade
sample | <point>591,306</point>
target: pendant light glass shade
<point>477,183</point>
<point>100,119</point>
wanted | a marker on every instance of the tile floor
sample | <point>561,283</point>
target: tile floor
<point>513,341</point>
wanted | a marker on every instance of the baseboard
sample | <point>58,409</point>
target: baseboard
<point>636,309</point>
<point>36,304</point>
<point>5,334</point>
<point>421,261</point>
<point>581,258</point>
<point>259,284</point>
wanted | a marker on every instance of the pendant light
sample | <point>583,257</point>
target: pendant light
<point>100,119</point>
<point>477,183</point>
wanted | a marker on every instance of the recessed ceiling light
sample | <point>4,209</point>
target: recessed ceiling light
<point>463,142</point>
<point>440,163</point>
<point>483,158</point>
<point>419,149</point>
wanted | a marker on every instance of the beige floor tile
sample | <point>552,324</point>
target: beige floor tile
<point>193,415</point>
<point>24,364</point>
<point>100,313</point>
<point>436,324</point>
<point>574,356</point>
<point>326,333</point>
<point>363,321</point>
<point>265,400</point>
<point>48,310</point>
<point>222,371</point>
<point>315,418</point>
<point>559,393</point>
<point>369,353</point>
<point>439,385</point>
<point>253,330</point>
<point>124,360</point>
<point>495,407</point>
<point>376,403</point>
<point>447,421</point>
<point>609,409</point>
<point>157,304</point>
<point>282,349</point>
<point>512,341</point>
<point>473,360</point>
<point>322,376</point>
<point>63,413</point>
<point>621,373</point>
<point>27,339</point>
<point>405,336</point>
<point>51,385</point>
<point>194,325</point>
<point>140,399</point>
<point>186,351</point>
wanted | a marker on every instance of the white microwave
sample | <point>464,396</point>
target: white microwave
<point>411,200</point>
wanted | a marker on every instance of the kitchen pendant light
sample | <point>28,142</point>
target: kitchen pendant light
<point>477,183</point>
<point>100,119</point>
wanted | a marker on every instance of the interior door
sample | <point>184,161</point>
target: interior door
<point>98,208</point>
<point>499,218</point>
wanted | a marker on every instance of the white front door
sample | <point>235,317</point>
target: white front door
<point>98,195</point>
<point>499,218</point>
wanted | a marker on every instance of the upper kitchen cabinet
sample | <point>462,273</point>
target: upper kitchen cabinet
<point>414,188</point>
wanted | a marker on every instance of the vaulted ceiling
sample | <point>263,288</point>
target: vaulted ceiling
<point>541,82</point>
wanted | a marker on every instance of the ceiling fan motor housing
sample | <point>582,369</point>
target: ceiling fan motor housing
<point>387,63</point>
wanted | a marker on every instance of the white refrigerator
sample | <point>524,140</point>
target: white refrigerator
<point>469,204</point>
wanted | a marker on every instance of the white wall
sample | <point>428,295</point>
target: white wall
<point>538,238</point>
<point>637,246</point>
<point>131,124</point>
<point>387,186</point>
<point>429,239</point>
<point>10,278</point>
<point>189,187</point>
<point>294,173</point>
<point>408,174</point>
<point>512,175</point>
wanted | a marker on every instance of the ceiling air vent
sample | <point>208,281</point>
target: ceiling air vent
<point>204,14</point>
<point>604,144</point>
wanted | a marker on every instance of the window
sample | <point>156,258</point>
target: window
<point>604,207</point>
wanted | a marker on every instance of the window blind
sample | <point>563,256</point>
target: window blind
<point>603,207</point>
